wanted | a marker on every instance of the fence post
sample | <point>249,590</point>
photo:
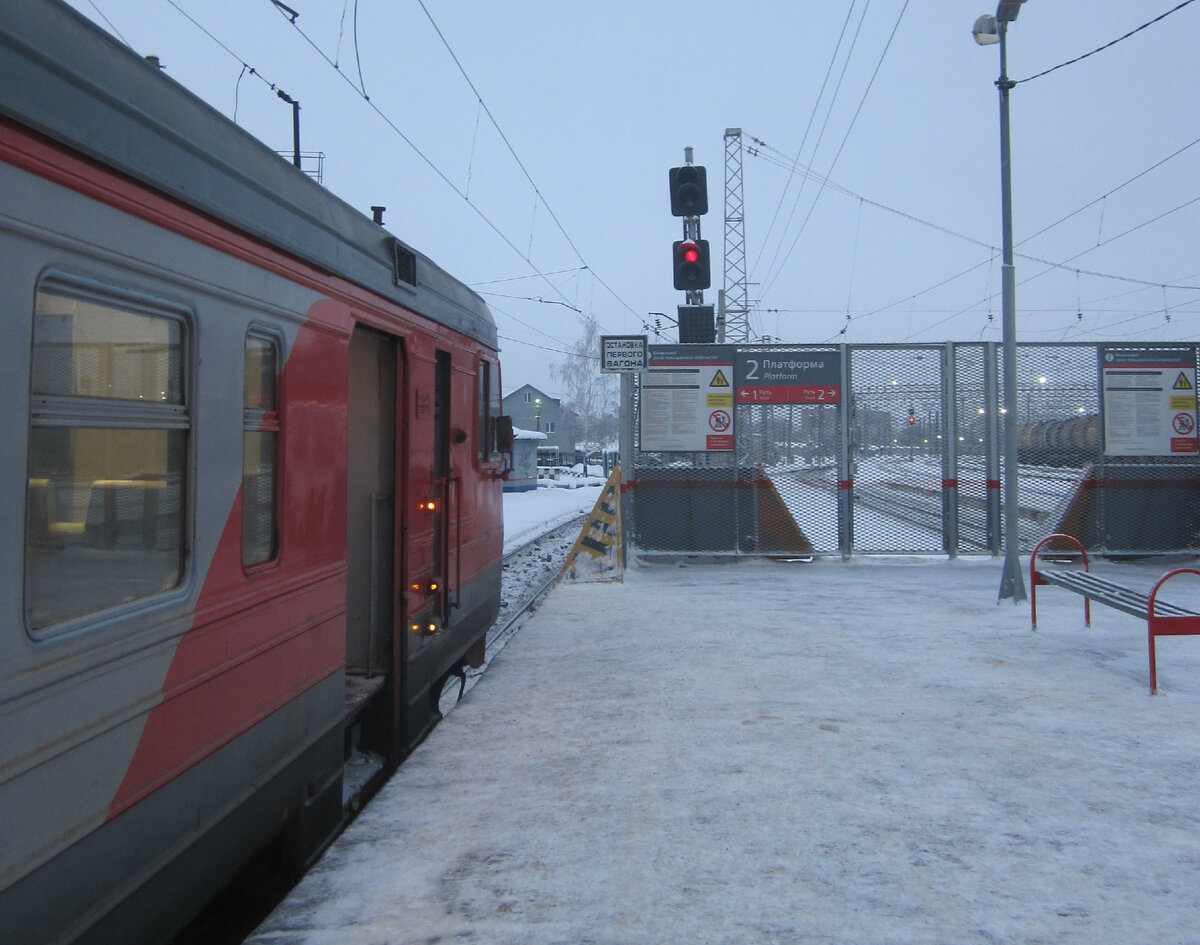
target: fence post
<point>991,397</point>
<point>948,431</point>
<point>845,462</point>
<point>625,445</point>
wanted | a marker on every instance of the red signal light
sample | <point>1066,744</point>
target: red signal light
<point>691,265</point>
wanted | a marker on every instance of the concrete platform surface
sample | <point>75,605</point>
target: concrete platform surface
<point>872,751</point>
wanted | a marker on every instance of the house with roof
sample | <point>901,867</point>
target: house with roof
<point>532,409</point>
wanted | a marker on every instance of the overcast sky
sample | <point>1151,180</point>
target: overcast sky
<point>524,146</point>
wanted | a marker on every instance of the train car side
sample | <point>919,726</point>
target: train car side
<point>228,551</point>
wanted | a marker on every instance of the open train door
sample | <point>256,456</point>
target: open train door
<point>370,541</point>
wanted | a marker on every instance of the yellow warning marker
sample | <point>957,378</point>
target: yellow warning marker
<point>1181,382</point>
<point>597,554</point>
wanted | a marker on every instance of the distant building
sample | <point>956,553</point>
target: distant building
<point>531,409</point>
<point>524,473</point>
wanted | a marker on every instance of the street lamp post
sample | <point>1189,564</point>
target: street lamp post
<point>989,30</point>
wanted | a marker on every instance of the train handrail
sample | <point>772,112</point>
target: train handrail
<point>458,494</point>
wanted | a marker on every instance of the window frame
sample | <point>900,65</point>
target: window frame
<point>264,421</point>
<point>87,412</point>
<point>489,406</point>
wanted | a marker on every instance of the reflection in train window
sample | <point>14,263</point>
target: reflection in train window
<point>260,440</point>
<point>107,454</point>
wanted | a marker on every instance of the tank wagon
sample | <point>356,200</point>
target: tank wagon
<point>1075,441</point>
<point>252,514</point>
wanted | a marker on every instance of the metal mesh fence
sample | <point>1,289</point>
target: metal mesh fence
<point>904,453</point>
<point>790,454</point>
<point>974,439</point>
<point>897,415</point>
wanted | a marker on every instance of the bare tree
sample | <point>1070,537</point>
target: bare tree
<point>590,396</point>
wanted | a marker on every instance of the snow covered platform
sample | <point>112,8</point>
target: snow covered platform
<point>871,751</point>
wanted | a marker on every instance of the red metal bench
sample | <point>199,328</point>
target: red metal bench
<point>1162,618</point>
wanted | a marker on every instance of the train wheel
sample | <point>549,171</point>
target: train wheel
<point>447,695</point>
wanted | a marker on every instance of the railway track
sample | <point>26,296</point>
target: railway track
<point>529,572</point>
<point>921,507</point>
<point>902,509</point>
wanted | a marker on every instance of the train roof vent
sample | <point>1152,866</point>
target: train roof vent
<point>404,264</point>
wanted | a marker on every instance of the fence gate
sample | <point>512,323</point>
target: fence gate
<point>897,423</point>
<point>790,453</point>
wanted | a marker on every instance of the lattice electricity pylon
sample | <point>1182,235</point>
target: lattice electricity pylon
<point>737,305</point>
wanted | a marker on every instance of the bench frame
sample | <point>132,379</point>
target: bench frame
<point>1162,618</point>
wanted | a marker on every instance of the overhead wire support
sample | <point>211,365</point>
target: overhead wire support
<point>736,307</point>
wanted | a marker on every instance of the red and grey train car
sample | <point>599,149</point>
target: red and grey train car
<point>251,492</point>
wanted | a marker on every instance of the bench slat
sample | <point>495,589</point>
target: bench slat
<point>1134,603</point>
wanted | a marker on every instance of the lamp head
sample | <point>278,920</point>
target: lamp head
<point>1008,9</point>
<point>985,30</point>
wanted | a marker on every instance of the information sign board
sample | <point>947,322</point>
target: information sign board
<point>687,399</point>
<point>1149,401</point>
<point>620,354</point>
<point>788,377</point>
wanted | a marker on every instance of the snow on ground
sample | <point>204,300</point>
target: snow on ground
<point>527,514</point>
<point>871,751</point>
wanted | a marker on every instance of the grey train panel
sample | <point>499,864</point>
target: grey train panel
<point>163,135</point>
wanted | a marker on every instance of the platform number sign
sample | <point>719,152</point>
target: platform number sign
<point>788,377</point>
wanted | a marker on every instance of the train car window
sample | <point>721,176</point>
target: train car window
<point>490,405</point>
<point>109,425</point>
<point>260,450</point>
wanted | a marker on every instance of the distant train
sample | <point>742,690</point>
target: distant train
<point>252,470</point>
<point>1073,442</point>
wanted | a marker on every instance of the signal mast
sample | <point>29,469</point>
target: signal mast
<point>690,256</point>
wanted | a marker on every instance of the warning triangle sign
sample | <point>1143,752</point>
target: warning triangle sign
<point>719,380</point>
<point>1182,383</point>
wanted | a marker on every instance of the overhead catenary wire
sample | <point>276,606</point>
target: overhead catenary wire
<point>540,197</point>
<point>991,247</point>
<point>1071,62</point>
<point>787,163</point>
<point>100,13</point>
<point>292,16</point>
<point>494,227</point>
<point>812,116</point>
<point>841,147</point>
<point>772,156</point>
<point>528,254</point>
<point>772,270</point>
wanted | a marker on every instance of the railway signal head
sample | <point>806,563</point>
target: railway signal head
<point>692,266</point>
<point>689,191</point>
<point>912,416</point>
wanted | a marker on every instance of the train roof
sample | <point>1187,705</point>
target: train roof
<point>69,80</point>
